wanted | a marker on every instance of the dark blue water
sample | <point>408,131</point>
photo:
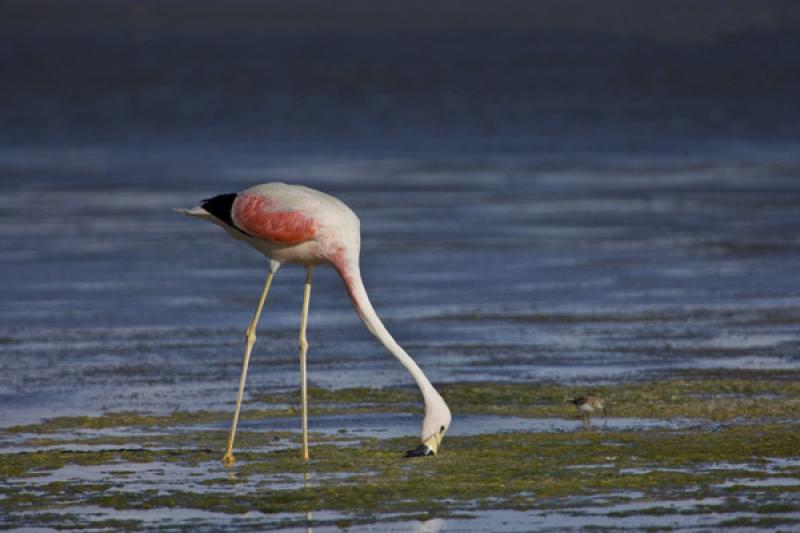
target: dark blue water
<point>486,264</point>
<point>536,205</point>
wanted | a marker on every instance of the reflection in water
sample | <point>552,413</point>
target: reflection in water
<point>309,528</point>
<point>429,526</point>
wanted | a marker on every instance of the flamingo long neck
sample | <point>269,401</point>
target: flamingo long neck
<point>358,295</point>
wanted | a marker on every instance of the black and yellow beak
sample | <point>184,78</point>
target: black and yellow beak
<point>429,446</point>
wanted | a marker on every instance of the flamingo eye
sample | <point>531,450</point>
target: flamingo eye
<point>441,428</point>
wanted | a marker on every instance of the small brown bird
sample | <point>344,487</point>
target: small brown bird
<point>588,404</point>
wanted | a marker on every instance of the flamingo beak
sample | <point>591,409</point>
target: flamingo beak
<point>429,446</point>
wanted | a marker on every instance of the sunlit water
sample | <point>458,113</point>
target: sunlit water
<point>492,264</point>
<point>512,264</point>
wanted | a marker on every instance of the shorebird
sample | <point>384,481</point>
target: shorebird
<point>588,404</point>
<point>296,224</point>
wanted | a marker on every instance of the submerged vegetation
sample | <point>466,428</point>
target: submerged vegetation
<point>710,399</point>
<point>739,461</point>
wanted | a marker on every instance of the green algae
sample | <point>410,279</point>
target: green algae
<point>366,477</point>
<point>34,463</point>
<point>141,420</point>
<point>519,471</point>
<point>718,399</point>
<point>356,395</point>
<point>710,399</point>
<point>115,419</point>
<point>73,522</point>
<point>759,522</point>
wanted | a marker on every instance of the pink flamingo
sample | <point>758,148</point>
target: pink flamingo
<point>296,224</point>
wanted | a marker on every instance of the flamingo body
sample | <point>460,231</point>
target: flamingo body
<point>258,216</point>
<point>296,224</point>
<point>289,224</point>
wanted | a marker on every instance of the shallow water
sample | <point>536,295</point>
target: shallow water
<point>504,265</point>
<point>513,265</point>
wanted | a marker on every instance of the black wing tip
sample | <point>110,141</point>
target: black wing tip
<point>422,450</point>
<point>220,200</point>
<point>220,206</point>
<point>220,197</point>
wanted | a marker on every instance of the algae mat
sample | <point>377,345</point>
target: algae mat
<point>674,454</point>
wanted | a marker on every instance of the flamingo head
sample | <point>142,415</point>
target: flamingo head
<point>434,426</point>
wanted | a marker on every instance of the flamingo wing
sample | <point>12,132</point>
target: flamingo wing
<point>259,216</point>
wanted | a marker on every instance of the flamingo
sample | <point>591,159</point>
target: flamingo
<point>297,224</point>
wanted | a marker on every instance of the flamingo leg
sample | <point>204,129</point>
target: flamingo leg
<point>303,342</point>
<point>250,336</point>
